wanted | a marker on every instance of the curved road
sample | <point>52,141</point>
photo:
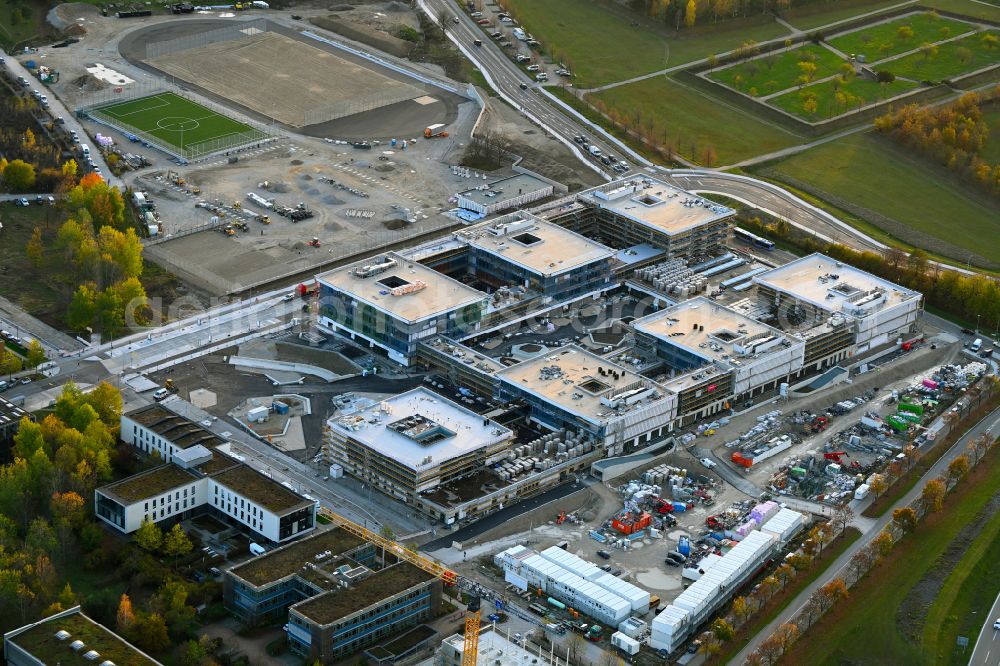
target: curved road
<point>564,123</point>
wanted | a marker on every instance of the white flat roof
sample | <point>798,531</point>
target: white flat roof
<point>712,331</point>
<point>831,285</point>
<point>534,244</point>
<point>656,204</point>
<point>432,292</point>
<point>571,378</point>
<point>387,428</point>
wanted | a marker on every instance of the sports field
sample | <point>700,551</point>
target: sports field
<point>185,126</point>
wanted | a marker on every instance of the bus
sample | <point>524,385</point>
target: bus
<point>753,239</point>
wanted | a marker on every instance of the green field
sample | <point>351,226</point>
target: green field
<point>180,123</point>
<point>861,92</point>
<point>872,172</point>
<point>973,9</point>
<point>991,149</point>
<point>599,42</point>
<point>958,57</point>
<point>817,15</point>
<point>882,41</point>
<point>863,630</point>
<point>967,594</point>
<point>691,120</point>
<point>778,71</point>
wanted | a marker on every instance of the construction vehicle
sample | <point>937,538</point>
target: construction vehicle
<point>561,518</point>
<point>314,242</point>
<point>436,130</point>
<point>237,205</point>
<point>836,456</point>
<point>170,386</point>
<point>241,225</point>
<point>819,424</point>
<point>228,230</point>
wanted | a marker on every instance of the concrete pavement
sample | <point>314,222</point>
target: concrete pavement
<point>987,649</point>
<point>991,423</point>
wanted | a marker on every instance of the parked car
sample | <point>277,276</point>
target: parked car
<point>604,554</point>
<point>676,557</point>
<point>23,202</point>
<point>160,394</point>
<point>708,462</point>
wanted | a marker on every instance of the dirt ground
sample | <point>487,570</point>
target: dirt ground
<point>542,153</point>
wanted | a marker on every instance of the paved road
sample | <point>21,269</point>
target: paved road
<point>57,109</point>
<point>991,422</point>
<point>987,649</point>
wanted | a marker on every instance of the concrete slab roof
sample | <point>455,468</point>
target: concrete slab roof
<point>401,287</point>
<point>578,381</point>
<point>420,429</point>
<point>834,286</point>
<point>712,331</point>
<point>534,244</point>
<point>655,204</point>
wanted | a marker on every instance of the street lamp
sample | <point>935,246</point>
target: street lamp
<point>977,322</point>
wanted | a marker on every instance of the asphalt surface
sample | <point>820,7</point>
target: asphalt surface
<point>991,423</point>
<point>500,517</point>
<point>987,649</point>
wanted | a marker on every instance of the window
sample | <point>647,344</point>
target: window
<point>145,507</point>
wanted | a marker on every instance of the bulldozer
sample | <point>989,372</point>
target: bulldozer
<point>237,205</point>
<point>228,230</point>
<point>314,242</point>
<point>264,219</point>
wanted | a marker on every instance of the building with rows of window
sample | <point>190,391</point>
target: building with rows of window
<point>339,592</point>
<point>198,477</point>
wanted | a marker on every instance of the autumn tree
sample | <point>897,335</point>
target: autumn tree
<point>883,543</point>
<point>958,468</point>
<point>878,485</point>
<point>176,543</point>
<point>905,518</point>
<point>690,14</point>
<point>722,630</point>
<point>150,632</point>
<point>842,517</point>
<point>125,617</point>
<point>933,495</point>
<point>741,610</point>
<point>904,33</point>
<point>148,537</point>
<point>19,176</point>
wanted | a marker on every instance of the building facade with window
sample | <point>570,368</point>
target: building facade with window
<point>198,479</point>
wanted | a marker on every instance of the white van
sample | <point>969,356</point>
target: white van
<point>85,149</point>
<point>977,345</point>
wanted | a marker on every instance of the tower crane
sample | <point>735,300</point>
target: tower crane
<point>471,651</point>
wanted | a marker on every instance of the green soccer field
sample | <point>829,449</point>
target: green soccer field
<point>186,126</point>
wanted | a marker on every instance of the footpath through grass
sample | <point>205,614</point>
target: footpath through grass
<point>603,43</point>
<point>778,71</point>
<point>855,93</point>
<point>863,630</point>
<point>884,40</point>
<point>874,173</point>
<point>961,56</point>
<point>780,601</point>
<point>691,121</point>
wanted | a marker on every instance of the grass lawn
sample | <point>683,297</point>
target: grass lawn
<point>876,174</point>
<point>968,593</point>
<point>18,281</point>
<point>974,9</point>
<point>862,630</point>
<point>175,120</point>
<point>991,149</point>
<point>863,91</point>
<point>26,28</point>
<point>817,15</point>
<point>599,42</point>
<point>947,63</point>
<point>781,600</point>
<point>882,40</point>
<point>692,120</point>
<point>778,71</point>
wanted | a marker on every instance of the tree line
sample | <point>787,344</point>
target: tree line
<point>93,263</point>
<point>51,542</point>
<point>30,163</point>
<point>953,135</point>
